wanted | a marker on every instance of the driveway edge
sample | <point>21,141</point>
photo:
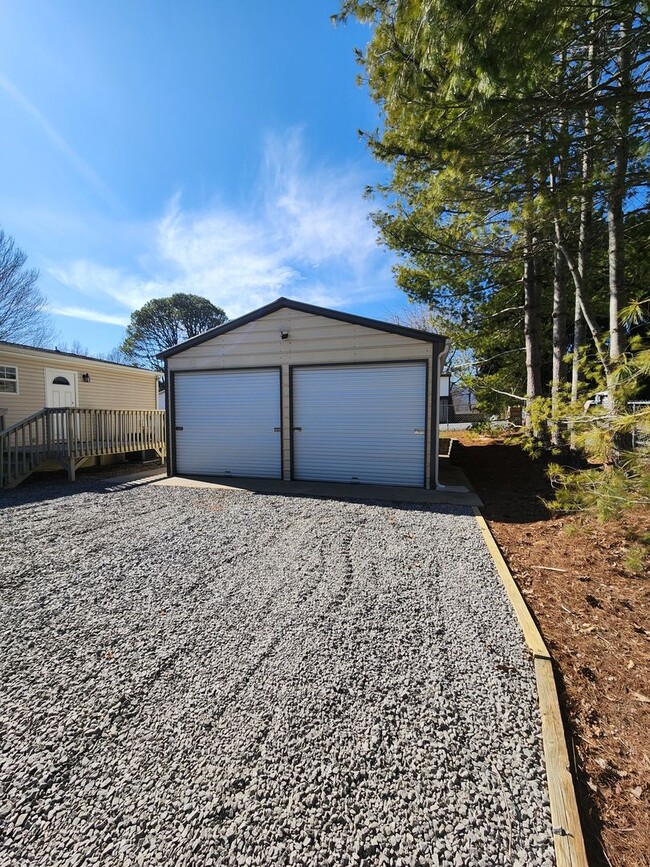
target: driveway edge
<point>567,830</point>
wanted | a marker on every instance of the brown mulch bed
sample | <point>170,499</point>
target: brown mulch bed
<point>593,613</point>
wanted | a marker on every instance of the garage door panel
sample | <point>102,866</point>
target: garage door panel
<point>230,423</point>
<point>362,423</point>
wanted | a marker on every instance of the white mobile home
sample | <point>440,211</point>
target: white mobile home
<point>60,407</point>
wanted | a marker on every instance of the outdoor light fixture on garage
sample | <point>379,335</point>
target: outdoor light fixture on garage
<point>85,377</point>
<point>350,399</point>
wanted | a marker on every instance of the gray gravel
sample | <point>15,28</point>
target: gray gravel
<point>214,678</point>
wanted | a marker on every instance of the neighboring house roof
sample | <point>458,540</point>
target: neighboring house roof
<point>288,303</point>
<point>59,353</point>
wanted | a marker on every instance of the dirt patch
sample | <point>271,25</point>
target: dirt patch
<point>577,577</point>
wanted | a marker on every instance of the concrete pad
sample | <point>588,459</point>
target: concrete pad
<point>455,489</point>
<point>453,496</point>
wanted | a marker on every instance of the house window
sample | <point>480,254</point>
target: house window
<point>60,380</point>
<point>8,379</point>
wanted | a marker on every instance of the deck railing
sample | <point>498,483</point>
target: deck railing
<point>69,435</point>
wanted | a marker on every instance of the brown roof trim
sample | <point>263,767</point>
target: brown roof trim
<point>281,303</point>
<point>59,352</point>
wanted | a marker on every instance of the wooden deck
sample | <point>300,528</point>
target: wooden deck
<point>70,436</point>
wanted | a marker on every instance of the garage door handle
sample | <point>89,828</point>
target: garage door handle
<point>179,427</point>
<point>277,430</point>
<point>296,428</point>
<point>418,430</point>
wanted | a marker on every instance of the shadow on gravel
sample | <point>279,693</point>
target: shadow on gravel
<point>402,505</point>
<point>38,490</point>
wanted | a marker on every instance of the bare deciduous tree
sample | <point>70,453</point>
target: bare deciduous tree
<point>116,356</point>
<point>76,348</point>
<point>23,316</point>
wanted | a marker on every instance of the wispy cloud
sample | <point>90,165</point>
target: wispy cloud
<point>321,211</point>
<point>306,234</point>
<point>78,163</point>
<point>90,315</point>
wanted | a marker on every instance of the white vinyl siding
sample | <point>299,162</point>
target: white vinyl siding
<point>360,423</point>
<point>8,379</point>
<point>111,386</point>
<point>229,423</point>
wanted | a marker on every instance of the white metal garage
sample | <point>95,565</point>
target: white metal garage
<point>227,423</point>
<point>362,423</point>
<point>295,391</point>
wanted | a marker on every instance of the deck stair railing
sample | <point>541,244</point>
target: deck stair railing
<point>70,435</point>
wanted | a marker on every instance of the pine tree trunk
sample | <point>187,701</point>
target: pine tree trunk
<point>585,304</point>
<point>585,231</point>
<point>559,339</point>
<point>584,238</point>
<point>615,214</point>
<point>559,314</point>
<point>578,340</point>
<point>532,323</point>
<point>583,265</point>
<point>616,252</point>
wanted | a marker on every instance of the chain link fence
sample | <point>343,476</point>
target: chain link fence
<point>640,437</point>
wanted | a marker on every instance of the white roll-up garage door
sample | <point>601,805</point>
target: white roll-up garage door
<point>360,423</point>
<point>228,423</point>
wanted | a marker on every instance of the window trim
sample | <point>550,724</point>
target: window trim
<point>13,367</point>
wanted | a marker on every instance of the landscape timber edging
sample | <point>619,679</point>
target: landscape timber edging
<point>567,830</point>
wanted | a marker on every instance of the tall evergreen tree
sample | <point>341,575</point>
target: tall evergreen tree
<point>516,135</point>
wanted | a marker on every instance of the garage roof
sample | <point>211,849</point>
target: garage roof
<point>282,303</point>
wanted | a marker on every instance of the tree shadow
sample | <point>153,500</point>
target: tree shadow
<point>511,484</point>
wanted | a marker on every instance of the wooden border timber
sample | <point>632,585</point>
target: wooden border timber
<point>565,818</point>
<point>532,634</point>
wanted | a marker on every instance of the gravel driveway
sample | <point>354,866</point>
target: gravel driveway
<point>221,678</point>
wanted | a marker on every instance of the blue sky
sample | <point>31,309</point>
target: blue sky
<point>208,147</point>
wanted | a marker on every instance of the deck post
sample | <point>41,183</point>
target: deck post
<point>70,464</point>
